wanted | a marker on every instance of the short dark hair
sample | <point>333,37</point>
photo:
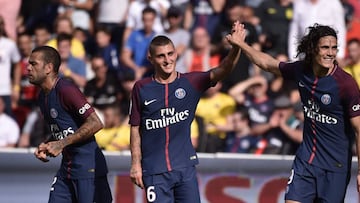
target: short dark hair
<point>148,9</point>
<point>309,43</point>
<point>49,55</point>
<point>160,40</point>
<point>63,37</point>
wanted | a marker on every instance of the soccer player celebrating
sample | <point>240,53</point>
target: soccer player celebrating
<point>163,106</point>
<point>73,122</point>
<point>330,97</point>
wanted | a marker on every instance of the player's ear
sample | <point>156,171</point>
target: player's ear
<point>49,67</point>
<point>149,58</point>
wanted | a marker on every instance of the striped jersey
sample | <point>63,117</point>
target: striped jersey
<point>329,103</point>
<point>65,109</point>
<point>164,113</point>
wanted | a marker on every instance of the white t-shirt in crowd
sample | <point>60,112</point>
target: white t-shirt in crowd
<point>9,54</point>
<point>9,130</point>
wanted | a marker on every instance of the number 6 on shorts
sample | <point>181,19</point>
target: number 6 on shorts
<point>150,194</point>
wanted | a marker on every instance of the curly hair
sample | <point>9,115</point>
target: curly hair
<point>308,45</point>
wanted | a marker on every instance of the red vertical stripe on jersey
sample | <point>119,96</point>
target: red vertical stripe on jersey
<point>313,128</point>
<point>167,133</point>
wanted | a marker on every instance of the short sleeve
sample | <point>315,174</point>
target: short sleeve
<point>74,101</point>
<point>135,106</point>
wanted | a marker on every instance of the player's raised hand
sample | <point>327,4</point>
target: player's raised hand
<point>237,35</point>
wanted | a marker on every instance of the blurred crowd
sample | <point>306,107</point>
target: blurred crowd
<point>103,47</point>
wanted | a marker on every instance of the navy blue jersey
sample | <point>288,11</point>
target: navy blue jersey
<point>329,102</point>
<point>65,109</point>
<point>164,113</point>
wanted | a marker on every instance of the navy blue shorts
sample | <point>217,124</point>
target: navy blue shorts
<point>80,190</point>
<point>178,185</point>
<point>308,183</point>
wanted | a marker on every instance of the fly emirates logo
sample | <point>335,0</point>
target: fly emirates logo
<point>312,111</point>
<point>168,117</point>
<point>60,134</point>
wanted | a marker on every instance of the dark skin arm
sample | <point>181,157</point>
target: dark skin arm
<point>54,148</point>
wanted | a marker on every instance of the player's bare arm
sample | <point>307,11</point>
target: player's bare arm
<point>355,122</point>
<point>229,62</point>
<point>261,59</point>
<point>135,148</point>
<point>89,128</point>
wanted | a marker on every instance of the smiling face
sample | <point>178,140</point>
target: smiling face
<point>163,58</point>
<point>327,50</point>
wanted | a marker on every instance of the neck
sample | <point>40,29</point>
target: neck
<point>165,78</point>
<point>242,132</point>
<point>49,83</point>
<point>322,72</point>
<point>172,29</point>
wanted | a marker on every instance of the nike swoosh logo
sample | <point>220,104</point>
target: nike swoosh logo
<point>149,102</point>
<point>301,84</point>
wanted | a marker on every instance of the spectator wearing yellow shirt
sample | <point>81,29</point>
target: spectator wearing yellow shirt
<point>213,109</point>
<point>353,61</point>
<point>115,136</point>
<point>63,24</point>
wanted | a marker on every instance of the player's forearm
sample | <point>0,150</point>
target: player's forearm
<point>135,145</point>
<point>88,129</point>
<point>262,60</point>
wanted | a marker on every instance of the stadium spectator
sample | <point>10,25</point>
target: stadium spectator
<point>353,60</point>
<point>221,105</point>
<point>28,92</point>
<point>78,11</point>
<point>34,130</point>
<point>107,49</point>
<point>113,17</point>
<point>243,69</point>
<point>115,136</point>
<point>134,53</point>
<point>252,95</point>
<point>203,13</point>
<point>275,17</point>
<point>308,12</point>
<point>36,13</point>
<point>10,70</point>
<point>178,35</point>
<point>282,121</point>
<point>9,129</point>
<point>9,11</point>
<point>199,57</point>
<point>71,68</point>
<point>41,35</point>
<point>104,89</point>
<point>64,24</point>
<point>135,21</point>
<point>239,138</point>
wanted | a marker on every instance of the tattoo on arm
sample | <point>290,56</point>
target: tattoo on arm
<point>88,129</point>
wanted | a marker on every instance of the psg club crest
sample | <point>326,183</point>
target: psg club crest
<point>53,113</point>
<point>180,93</point>
<point>326,99</point>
